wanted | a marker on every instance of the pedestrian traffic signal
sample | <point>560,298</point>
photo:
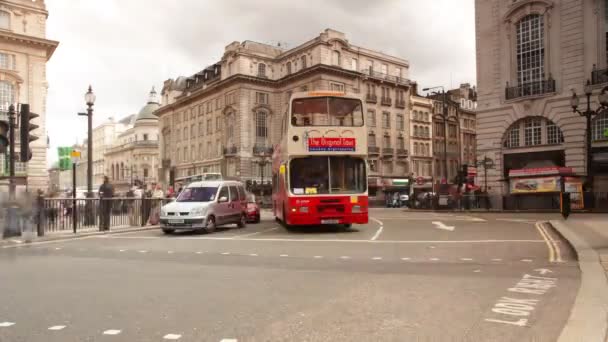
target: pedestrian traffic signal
<point>4,128</point>
<point>25,128</point>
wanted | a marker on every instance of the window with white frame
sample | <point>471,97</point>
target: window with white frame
<point>371,118</point>
<point>599,126</point>
<point>554,134</point>
<point>7,94</point>
<point>7,61</point>
<point>532,132</point>
<point>5,20</point>
<point>353,64</point>
<point>335,86</point>
<point>262,70</point>
<point>261,128</point>
<point>530,49</point>
<point>335,57</point>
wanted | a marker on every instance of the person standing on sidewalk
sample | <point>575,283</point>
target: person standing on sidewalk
<point>106,192</point>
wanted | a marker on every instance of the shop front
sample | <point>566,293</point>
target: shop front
<point>539,188</point>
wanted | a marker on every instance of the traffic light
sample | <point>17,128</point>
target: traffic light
<point>25,128</point>
<point>3,135</point>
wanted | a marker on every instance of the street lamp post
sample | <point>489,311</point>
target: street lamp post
<point>444,116</point>
<point>89,98</point>
<point>588,114</point>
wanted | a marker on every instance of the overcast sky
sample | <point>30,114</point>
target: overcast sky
<point>124,47</point>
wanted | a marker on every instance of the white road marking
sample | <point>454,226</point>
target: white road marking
<point>496,259</point>
<point>229,340</point>
<point>122,250</point>
<point>477,271</point>
<point>6,324</point>
<point>226,253</point>
<point>441,225</point>
<point>377,221</point>
<point>526,260</point>
<point>405,259</point>
<point>169,252</point>
<point>253,254</point>
<point>283,255</point>
<point>377,258</point>
<point>432,247</point>
<point>253,234</point>
<point>466,259</point>
<point>57,248</point>
<point>554,243</point>
<point>54,241</point>
<point>344,257</point>
<point>379,231</point>
<point>543,271</point>
<point>434,259</point>
<point>143,251</point>
<point>545,237</point>
<point>172,337</point>
<point>16,241</point>
<point>318,257</point>
<point>57,327</point>
<point>199,252</point>
<point>111,332</point>
<point>337,240</point>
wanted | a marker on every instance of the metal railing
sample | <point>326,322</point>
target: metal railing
<point>385,77</point>
<point>261,149</point>
<point>530,89</point>
<point>373,150</point>
<point>599,76</point>
<point>388,151</point>
<point>401,152</point>
<point>386,101</point>
<point>400,103</point>
<point>230,151</point>
<point>371,98</point>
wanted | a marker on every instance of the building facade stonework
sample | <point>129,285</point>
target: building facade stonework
<point>24,52</point>
<point>227,117</point>
<point>531,55</point>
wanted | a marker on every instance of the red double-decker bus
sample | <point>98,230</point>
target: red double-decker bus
<point>320,166</point>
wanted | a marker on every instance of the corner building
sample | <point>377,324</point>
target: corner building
<point>227,117</point>
<point>531,54</point>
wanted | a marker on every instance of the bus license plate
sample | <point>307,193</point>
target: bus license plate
<point>330,221</point>
<point>176,221</point>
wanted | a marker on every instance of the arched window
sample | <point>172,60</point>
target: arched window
<point>415,115</point>
<point>262,70</point>
<point>5,20</point>
<point>261,128</point>
<point>530,49</point>
<point>599,126</point>
<point>335,57</point>
<point>532,131</point>
<point>7,94</point>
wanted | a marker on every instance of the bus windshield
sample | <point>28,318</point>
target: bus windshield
<point>327,111</point>
<point>202,194</point>
<point>327,175</point>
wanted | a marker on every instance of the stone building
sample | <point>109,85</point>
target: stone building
<point>531,56</point>
<point>466,97</point>
<point>133,156</point>
<point>24,51</point>
<point>421,141</point>
<point>227,117</point>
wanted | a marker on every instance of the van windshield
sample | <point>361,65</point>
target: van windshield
<point>197,194</point>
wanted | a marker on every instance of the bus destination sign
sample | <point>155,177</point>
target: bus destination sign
<point>331,144</point>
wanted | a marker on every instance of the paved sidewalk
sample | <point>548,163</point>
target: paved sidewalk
<point>588,235</point>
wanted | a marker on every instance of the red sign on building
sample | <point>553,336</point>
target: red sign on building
<point>331,144</point>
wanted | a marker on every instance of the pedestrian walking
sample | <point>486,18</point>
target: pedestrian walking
<point>106,192</point>
<point>131,207</point>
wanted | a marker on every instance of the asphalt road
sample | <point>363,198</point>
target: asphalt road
<point>402,277</point>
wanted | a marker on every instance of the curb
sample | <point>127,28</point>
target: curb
<point>588,317</point>
<point>50,238</point>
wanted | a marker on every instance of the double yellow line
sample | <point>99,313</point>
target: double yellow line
<point>554,251</point>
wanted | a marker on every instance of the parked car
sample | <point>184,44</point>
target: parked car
<point>204,206</point>
<point>404,199</point>
<point>253,209</point>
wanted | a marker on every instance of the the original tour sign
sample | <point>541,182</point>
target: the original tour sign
<point>331,144</point>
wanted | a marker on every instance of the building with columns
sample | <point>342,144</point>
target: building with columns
<point>24,52</point>
<point>531,56</point>
<point>227,117</point>
<point>133,156</point>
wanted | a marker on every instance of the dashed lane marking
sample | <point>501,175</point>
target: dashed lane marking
<point>169,252</point>
<point>229,340</point>
<point>283,255</point>
<point>254,234</point>
<point>172,337</point>
<point>57,248</point>
<point>122,250</point>
<point>199,252</point>
<point>497,259</point>
<point>57,327</point>
<point>344,257</point>
<point>434,259</point>
<point>526,260</point>
<point>6,324</point>
<point>377,258</point>
<point>318,257</point>
<point>405,259</point>
<point>143,251</point>
<point>466,259</point>
<point>226,253</point>
<point>477,271</point>
<point>111,332</point>
<point>253,255</point>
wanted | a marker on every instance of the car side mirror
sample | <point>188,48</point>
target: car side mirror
<point>223,199</point>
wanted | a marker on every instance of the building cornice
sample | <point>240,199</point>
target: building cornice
<point>48,45</point>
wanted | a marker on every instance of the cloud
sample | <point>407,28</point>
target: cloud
<point>123,48</point>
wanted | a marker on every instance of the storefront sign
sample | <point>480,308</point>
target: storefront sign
<point>540,171</point>
<point>535,185</point>
<point>401,182</point>
<point>331,144</point>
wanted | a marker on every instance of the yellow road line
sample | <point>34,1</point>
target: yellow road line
<point>554,243</point>
<point>542,232</point>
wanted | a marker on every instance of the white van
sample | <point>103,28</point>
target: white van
<point>204,206</point>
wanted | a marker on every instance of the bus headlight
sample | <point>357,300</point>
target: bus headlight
<point>303,209</point>
<point>356,208</point>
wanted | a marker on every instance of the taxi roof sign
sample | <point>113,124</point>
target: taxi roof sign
<point>326,93</point>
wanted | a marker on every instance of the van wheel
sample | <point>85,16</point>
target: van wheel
<point>168,231</point>
<point>210,227</point>
<point>242,222</point>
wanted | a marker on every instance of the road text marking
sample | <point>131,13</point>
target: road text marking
<point>440,225</point>
<point>57,327</point>
<point>377,258</point>
<point>6,324</point>
<point>111,332</point>
<point>172,337</point>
